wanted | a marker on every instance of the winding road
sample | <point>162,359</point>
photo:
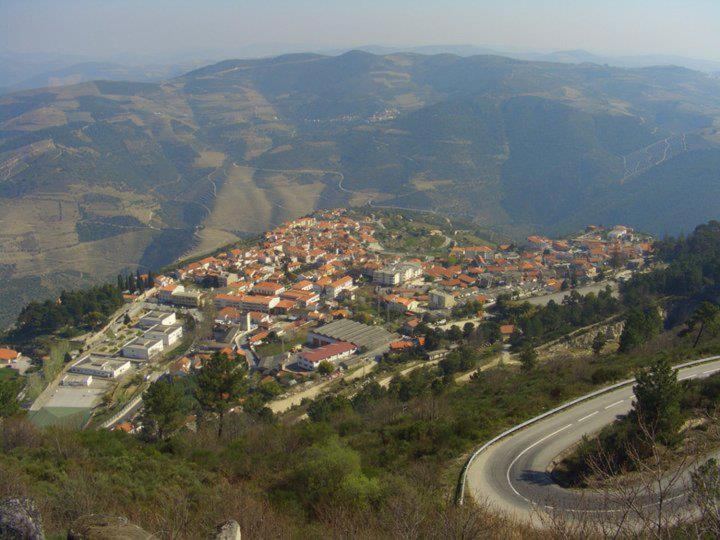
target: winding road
<point>512,474</point>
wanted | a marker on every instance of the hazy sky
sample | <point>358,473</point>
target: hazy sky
<point>105,27</point>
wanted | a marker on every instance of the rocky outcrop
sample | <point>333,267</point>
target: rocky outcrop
<point>101,527</point>
<point>230,530</point>
<point>21,520</point>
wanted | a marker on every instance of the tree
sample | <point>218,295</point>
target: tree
<point>705,494</point>
<point>454,334</point>
<point>657,401</point>
<point>9,389</point>
<point>528,358</point>
<point>598,343</point>
<point>706,315</point>
<point>269,390</point>
<point>616,259</point>
<point>325,368</point>
<point>166,407</point>
<point>329,471</point>
<point>220,383</point>
<point>468,329</point>
<point>641,325</point>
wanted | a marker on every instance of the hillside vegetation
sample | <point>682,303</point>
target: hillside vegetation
<point>101,177</point>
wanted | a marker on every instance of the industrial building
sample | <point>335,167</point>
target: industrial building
<point>360,335</point>
<point>310,358</point>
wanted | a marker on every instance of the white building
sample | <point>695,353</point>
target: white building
<point>154,318</point>
<point>179,296</point>
<point>76,380</point>
<point>398,273</point>
<point>441,300</point>
<point>143,348</point>
<point>168,334</point>
<point>311,358</point>
<point>98,366</point>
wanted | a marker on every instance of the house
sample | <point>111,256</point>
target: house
<point>336,287</point>
<point>258,303</point>
<point>177,295</point>
<point>441,300</point>
<point>398,273</point>
<point>223,301</point>
<point>258,338</point>
<point>507,330</point>
<point>165,292</point>
<point>311,358</point>
<point>189,299</point>
<point>400,303</point>
<point>258,317</point>
<point>8,356</point>
<point>180,367</point>
<point>268,288</point>
<point>226,279</point>
<point>303,285</point>
<point>302,298</point>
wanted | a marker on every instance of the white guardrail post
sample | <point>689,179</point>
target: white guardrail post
<point>460,494</point>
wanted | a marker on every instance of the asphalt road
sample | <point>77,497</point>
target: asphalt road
<point>511,475</point>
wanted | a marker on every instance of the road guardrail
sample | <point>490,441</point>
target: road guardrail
<point>460,490</point>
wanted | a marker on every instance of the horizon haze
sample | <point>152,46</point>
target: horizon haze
<point>161,29</point>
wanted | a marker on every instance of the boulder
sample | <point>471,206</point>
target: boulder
<point>101,527</point>
<point>21,520</point>
<point>230,530</point>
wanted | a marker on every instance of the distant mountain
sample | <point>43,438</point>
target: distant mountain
<point>94,71</point>
<point>109,175</point>
<point>106,71</point>
<point>566,57</point>
<point>16,67</point>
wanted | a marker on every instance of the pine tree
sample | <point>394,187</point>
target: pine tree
<point>657,401</point>
<point>598,343</point>
<point>706,315</point>
<point>220,383</point>
<point>528,358</point>
<point>166,406</point>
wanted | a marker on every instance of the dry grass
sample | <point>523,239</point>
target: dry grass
<point>210,158</point>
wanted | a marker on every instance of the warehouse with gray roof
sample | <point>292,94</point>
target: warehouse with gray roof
<point>360,335</point>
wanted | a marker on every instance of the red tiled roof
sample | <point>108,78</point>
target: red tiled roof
<point>326,351</point>
<point>8,354</point>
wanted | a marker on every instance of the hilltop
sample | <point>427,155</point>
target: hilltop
<point>105,176</point>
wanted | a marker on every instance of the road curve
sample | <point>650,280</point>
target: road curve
<point>511,474</point>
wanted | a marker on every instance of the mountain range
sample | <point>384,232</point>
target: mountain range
<point>104,176</point>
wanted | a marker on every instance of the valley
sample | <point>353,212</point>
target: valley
<point>110,176</point>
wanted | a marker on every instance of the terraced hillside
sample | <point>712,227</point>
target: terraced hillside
<point>105,176</point>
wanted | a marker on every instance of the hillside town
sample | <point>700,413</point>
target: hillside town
<point>320,297</point>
